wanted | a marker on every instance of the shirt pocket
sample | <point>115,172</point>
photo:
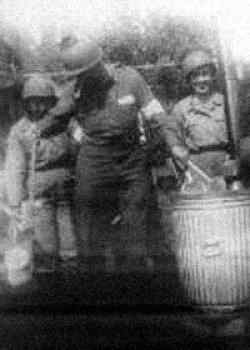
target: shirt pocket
<point>126,111</point>
<point>191,122</point>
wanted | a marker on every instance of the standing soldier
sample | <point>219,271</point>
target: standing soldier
<point>199,121</point>
<point>38,173</point>
<point>114,106</point>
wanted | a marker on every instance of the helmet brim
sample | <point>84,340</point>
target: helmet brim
<point>211,65</point>
<point>53,99</point>
<point>74,72</point>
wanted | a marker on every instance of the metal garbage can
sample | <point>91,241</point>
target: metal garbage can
<point>210,238</point>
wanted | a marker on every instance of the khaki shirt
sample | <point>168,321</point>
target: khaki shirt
<point>118,121</point>
<point>52,162</point>
<point>198,124</point>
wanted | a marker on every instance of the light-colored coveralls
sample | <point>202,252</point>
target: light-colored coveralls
<point>51,184</point>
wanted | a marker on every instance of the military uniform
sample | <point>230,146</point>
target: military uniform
<point>201,128</point>
<point>112,167</point>
<point>51,183</point>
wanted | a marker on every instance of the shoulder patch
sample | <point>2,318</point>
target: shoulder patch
<point>126,100</point>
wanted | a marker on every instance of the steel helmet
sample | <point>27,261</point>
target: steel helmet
<point>196,59</point>
<point>80,56</point>
<point>38,86</point>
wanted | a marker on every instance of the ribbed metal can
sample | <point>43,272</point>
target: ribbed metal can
<point>210,238</point>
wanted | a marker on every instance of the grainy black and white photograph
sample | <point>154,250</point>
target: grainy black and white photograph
<point>124,174</point>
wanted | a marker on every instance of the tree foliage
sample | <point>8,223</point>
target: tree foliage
<point>159,39</point>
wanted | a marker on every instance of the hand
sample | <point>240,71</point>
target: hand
<point>181,156</point>
<point>16,212</point>
<point>17,217</point>
<point>230,168</point>
<point>33,133</point>
<point>76,131</point>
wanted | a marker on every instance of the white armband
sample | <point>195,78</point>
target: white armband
<point>152,108</point>
<point>78,134</point>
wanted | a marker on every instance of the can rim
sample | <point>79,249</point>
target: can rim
<point>209,200</point>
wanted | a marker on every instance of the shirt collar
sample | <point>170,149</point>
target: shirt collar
<point>216,99</point>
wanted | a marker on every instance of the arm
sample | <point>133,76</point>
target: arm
<point>15,170</point>
<point>57,119</point>
<point>176,127</point>
<point>168,130</point>
<point>54,149</point>
<point>52,124</point>
<point>154,117</point>
<point>176,137</point>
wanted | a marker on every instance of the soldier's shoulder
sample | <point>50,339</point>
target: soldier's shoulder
<point>120,71</point>
<point>218,98</point>
<point>131,72</point>
<point>19,125</point>
<point>183,104</point>
<point>17,129</point>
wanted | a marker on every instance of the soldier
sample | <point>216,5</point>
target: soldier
<point>199,121</point>
<point>39,174</point>
<point>114,107</point>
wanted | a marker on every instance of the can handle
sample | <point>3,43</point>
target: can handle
<point>212,248</point>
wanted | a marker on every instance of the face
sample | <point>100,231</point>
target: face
<point>202,80</point>
<point>90,81</point>
<point>37,107</point>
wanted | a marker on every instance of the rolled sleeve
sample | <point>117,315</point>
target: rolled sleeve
<point>165,126</point>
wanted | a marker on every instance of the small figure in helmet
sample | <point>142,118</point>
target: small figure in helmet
<point>39,175</point>
<point>199,120</point>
